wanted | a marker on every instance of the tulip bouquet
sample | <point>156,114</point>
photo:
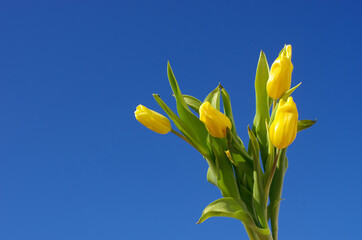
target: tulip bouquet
<point>250,178</point>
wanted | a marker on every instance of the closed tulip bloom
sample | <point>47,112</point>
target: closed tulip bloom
<point>283,130</point>
<point>215,122</point>
<point>280,76</point>
<point>152,120</point>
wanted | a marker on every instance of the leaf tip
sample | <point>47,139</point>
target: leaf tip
<point>262,55</point>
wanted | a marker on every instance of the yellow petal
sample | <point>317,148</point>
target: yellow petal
<point>283,130</point>
<point>216,122</point>
<point>152,120</point>
<point>280,75</point>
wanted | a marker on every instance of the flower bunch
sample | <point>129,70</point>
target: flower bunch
<point>250,179</point>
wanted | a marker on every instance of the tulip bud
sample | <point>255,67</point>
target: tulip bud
<point>152,120</point>
<point>283,130</point>
<point>280,76</point>
<point>215,122</point>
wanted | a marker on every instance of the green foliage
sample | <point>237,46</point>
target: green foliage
<point>234,208</point>
<point>289,92</point>
<point>214,98</point>
<point>304,124</point>
<point>193,122</point>
<point>250,180</point>
<point>192,102</point>
<point>228,111</point>
<point>262,105</point>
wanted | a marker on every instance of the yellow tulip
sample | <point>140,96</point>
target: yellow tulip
<point>152,120</point>
<point>215,122</point>
<point>280,76</point>
<point>283,130</point>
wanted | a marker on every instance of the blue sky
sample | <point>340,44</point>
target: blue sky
<point>75,164</point>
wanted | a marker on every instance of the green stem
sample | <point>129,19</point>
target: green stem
<point>250,233</point>
<point>271,175</point>
<point>274,103</point>
<point>181,136</point>
<point>274,223</point>
<point>276,192</point>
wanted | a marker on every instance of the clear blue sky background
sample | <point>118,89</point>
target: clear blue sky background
<point>75,164</point>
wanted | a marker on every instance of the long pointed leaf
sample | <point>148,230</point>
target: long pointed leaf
<point>226,179</point>
<point>180,124</point>
<point>260,200</point>
<point>227,109</point>
<point>193,122</point>
<point>289,92</point>
<point>262,105</point>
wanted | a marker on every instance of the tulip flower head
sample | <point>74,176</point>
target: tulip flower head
<point>280,76</point>
<point>152,120</point>
<point>215,121</point>
<point>283,130</point>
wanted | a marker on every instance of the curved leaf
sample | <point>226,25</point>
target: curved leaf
<point>180,124</point>
<point>289,92</point>
<point>227,109</point>
<point>231,207</point>
<point>260,200</point>
<point>193,122</point>
<point>214,98</point>
<point>211,176</point>
<point>226,181</point>
<point>262,105</point>
<point>192,102</point>
<point>304,124</point>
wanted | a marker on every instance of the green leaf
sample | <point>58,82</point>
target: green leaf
<point>247,198</point>
<point>192,102</point>
<point>289,92</point>
<point>304,124</point>
<point>255,152</point>
<point>260,200</point>
<point>212,176</point>
<point>236,146</point>
<point>180,124</point>
<point>262,105</point>
<point>234,208</point>
<point>226,181</point>
<point>193,122</point>
<point>214,98</point>
<point>239,161</point>
<point>227,109</point>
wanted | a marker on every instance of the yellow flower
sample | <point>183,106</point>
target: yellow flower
<point>215,122</point>
<point>283,130</point>
<point>280,76</point>
<point>152,120</point>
